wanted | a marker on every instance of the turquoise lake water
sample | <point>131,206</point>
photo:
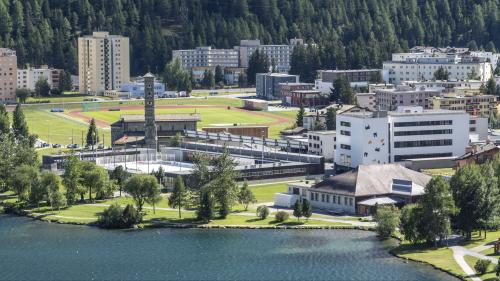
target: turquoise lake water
<point>33,250</point>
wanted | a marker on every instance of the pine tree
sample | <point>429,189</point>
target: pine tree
<point>246,196</point>
<point>258,63</point>
<point>219,75</point>
<point>331,118</point>
<point>178,197</point>
<point>19,125</point>
<point>205,211</point>
<point>300,116</point>
<point>92,134</point>
<point>42,88</point>
<point>297,209</point>
<point>307,209</point>
<point>4,120</point>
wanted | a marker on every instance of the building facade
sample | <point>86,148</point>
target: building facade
<point>390,99</point>
<point>308,98</point>
<point>322,143</point>
<point>206,57</point>
<point>27,78</point>
<point>8,75</point>
<point>268,84</point>
<point>367,100</point>
<point>103,62</point>
<point>380,137</point>
<point>481,105</point>
<point>257,131</point>
<point>408,68</point>
<point>136,89</point>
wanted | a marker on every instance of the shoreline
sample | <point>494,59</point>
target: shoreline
<point>249,227</point>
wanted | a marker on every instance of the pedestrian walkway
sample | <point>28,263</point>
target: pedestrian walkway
<point>460,252</point>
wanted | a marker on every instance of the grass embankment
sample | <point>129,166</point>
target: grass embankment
<point>490,274</point>
<point>442,257</point>
<point>88,213</point>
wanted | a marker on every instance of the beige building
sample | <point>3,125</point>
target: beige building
<point>27,78</point>
<point>480,105</point>
<point>103,62</point>
<point>8,75</point>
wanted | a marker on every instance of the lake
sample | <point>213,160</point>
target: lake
<point>34,250</point>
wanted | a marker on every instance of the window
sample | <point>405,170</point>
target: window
<point>423,123</point>
<point>345,133</point>
<point>399,158</point>
<point>422,143</point>
<point>423,132</point>
<point>322,197</point>
<point>345,200</point>
<point>345,124</point>
<point>345,146</point>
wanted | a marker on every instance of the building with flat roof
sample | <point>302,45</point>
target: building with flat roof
<point>361,190</point>
<point>240,130</point>
<point>322,143</point>
<point>268,84</point>
<point>206,57</point>
<point>481,105</point>
<point>390,99</point>
<point>132,127</point>
<point>379,137</point>
<point>8,75</point>
<point>27,78</point>
<point>103,62</point>
<point>308,98</point>
<point>367,100</point>
<point>136,89</point>
<point>409,67</point>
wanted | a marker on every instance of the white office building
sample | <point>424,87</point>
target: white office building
<point>408,68</point>
<point>322,143</point>
<point>206,57</point>
<point>366,137</point>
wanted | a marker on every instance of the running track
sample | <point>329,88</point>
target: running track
<point>78,114</point>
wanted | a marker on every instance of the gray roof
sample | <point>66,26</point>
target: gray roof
<point>370,180</point>
<point>479,150</point>
<point>164,117</point>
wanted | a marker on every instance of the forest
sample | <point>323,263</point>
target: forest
<point>348,33</point>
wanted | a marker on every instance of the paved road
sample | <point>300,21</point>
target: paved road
<point>460,252</point>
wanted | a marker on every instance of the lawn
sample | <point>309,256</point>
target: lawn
<point>490,252</point>
<point>57,128</point>
<point>270,221</point>
<point>439,257</point>
<point>490,273</point>
<point>477,240</point>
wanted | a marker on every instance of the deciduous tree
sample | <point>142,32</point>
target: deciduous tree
<point>178,198</point>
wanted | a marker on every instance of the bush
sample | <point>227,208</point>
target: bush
<point>131,216</point>
<point>117,217</point>
<point>12,208</point>
<point>281,216</point>
<point>262,212</point>
<point>481,266</point>
<point>112,217</point>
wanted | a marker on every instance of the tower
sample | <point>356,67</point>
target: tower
<point>149,111</point>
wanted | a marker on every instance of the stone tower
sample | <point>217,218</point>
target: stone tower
<point>149,111</point>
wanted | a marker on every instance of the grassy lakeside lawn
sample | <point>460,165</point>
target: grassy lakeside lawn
<point>477,240</point>
<point>441,258</point>
<point>491,253</point>
<point>490,272</point>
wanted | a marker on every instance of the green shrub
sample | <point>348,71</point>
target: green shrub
<point>281,216</point>
<point>12,208</point>
<point>131,216</point>
<point>112,217</point>
<point>262,212</point>
<point>481,266</point>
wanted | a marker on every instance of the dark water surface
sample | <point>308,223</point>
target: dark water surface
<point>32,250</point>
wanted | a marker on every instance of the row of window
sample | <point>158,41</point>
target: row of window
<point>423,123</point>
<point>422,143</point>
<point>423,132</point>
<point>398,158</point>
<point>335,199</point>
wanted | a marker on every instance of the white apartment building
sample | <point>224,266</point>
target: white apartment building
<point>103,62</point>
<point>390,99</point>
<point>27,78</point>
<point>365,137</point>
<point>279,54</point>
<point>322,143</point>
<point>423,68</point>
<point>445,85</point>
<point>206,57</point>
<point>8,75</point>
<point>367,100</point>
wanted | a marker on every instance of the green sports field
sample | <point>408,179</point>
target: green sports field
<point>65,128</point>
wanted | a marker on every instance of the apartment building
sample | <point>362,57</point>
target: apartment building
<point>103,62</point>
<point>390,99</point>
<point>27,78</point>
<point>355,77</point>
<point>206,57</point>
<point>480,105</point>
<point>367,100</point>
<point>380,137</point>
<point>322,143</point>
<point>8,75</point>
<point>280,55</point>
<point>408,68</point>
<point>268,85</point>
<point>446,86</point>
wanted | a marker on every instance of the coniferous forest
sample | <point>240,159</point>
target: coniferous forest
<point>349,33</point>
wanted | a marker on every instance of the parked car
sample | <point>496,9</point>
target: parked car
<point>56,145</point>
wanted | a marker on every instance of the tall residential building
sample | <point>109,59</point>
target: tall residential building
<point>380,137</point>
<point>268,84</point>
<point>103,62</point>
<point>279,54</point>
<point>206,57</point>
<point>8,75</point>
<point>27,78</point>
<point>423,68</point>
<point>150,133</point>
